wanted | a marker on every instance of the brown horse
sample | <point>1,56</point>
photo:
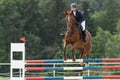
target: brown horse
<point>72,36</point>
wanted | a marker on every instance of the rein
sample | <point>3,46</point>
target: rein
<point>70,30</point>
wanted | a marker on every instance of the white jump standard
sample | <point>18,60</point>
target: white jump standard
<point>17,64</point>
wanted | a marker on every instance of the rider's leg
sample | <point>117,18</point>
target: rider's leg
<point>83,25</point>
<point>80,27</point>
<point>83,31</point>
<point>81,34</point>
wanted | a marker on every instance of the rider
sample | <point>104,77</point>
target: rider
<point>80,19</point>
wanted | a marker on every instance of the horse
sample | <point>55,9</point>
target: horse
<point>73,37</point>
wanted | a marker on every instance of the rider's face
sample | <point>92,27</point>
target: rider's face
<point>73,9</point>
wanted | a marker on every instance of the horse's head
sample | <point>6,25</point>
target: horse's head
<point>70,20</point>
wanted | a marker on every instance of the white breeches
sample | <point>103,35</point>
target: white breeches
<point>83,25</point>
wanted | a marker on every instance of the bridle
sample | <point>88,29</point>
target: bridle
<point>69,25</point>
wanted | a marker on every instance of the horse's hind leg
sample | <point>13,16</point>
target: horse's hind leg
<point>88,53</point>
<point>73,57</point>
<point>81,55</point>
<point>87,56</point>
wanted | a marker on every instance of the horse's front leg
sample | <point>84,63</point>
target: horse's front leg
<point>64,49</point>
<point>73,57</point>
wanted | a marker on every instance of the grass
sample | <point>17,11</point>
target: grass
<point>4,78</point>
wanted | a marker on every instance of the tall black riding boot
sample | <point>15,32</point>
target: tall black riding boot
<point>81,34</point>
<point>84,36</point>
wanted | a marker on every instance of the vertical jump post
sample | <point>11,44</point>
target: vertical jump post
<point>17,64</point>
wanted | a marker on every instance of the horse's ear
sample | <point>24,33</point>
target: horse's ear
<point>65,12</point>
<point>71,13</point>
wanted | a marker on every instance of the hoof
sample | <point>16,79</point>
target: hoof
<point>74,59</point>
<point>65,58</point>
<point>82,64</point>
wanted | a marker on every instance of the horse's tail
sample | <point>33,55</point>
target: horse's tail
<point>89,43</point>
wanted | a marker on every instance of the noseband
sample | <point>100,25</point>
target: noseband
<point>69,24</point>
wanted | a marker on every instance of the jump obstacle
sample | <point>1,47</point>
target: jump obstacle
<point>20,65</point>
<point>70,68</point>
<point>78,60</point>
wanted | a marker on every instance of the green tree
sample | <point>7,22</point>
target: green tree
<point>113,46</point>
<point>99,42</point>
<point>33,19</point>
<point>55,22</point>
<point>112,14</point>
<point>98,19</point>
<point>107,18</point>
<point>10,24</point>
<point>86,8</point>
<point>53,25</point>
<point>118,27</point>
<point>10,28</point>
<point>96,5</point>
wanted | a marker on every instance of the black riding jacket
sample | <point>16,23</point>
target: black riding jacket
<point>79,17</point>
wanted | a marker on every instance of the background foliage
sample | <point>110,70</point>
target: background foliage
<point>42,21</point>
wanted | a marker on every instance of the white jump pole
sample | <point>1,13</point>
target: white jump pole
<point>17,64</point>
